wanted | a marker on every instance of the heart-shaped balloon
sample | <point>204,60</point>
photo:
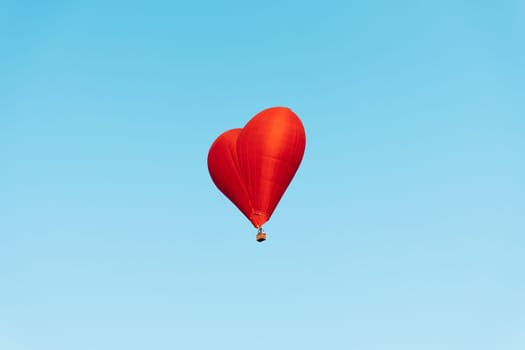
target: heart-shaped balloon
<point>254,166</point>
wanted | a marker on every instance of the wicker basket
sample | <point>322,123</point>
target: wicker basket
<point>261,236</point>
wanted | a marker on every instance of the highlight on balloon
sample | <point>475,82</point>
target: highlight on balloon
<point>254,165</point>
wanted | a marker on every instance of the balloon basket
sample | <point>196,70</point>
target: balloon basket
<point>261,236</point>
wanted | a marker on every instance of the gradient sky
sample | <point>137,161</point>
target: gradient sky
<point>403,228</point>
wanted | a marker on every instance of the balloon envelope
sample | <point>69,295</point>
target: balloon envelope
<point>254,166</point>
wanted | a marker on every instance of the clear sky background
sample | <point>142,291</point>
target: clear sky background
<point>403,228</point>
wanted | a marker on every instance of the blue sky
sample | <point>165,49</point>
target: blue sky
<point>403,228</point>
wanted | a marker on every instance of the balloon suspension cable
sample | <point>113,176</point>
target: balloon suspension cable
<point>261,235</point>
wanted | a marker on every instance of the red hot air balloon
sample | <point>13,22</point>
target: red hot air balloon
<point>253,166</point>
